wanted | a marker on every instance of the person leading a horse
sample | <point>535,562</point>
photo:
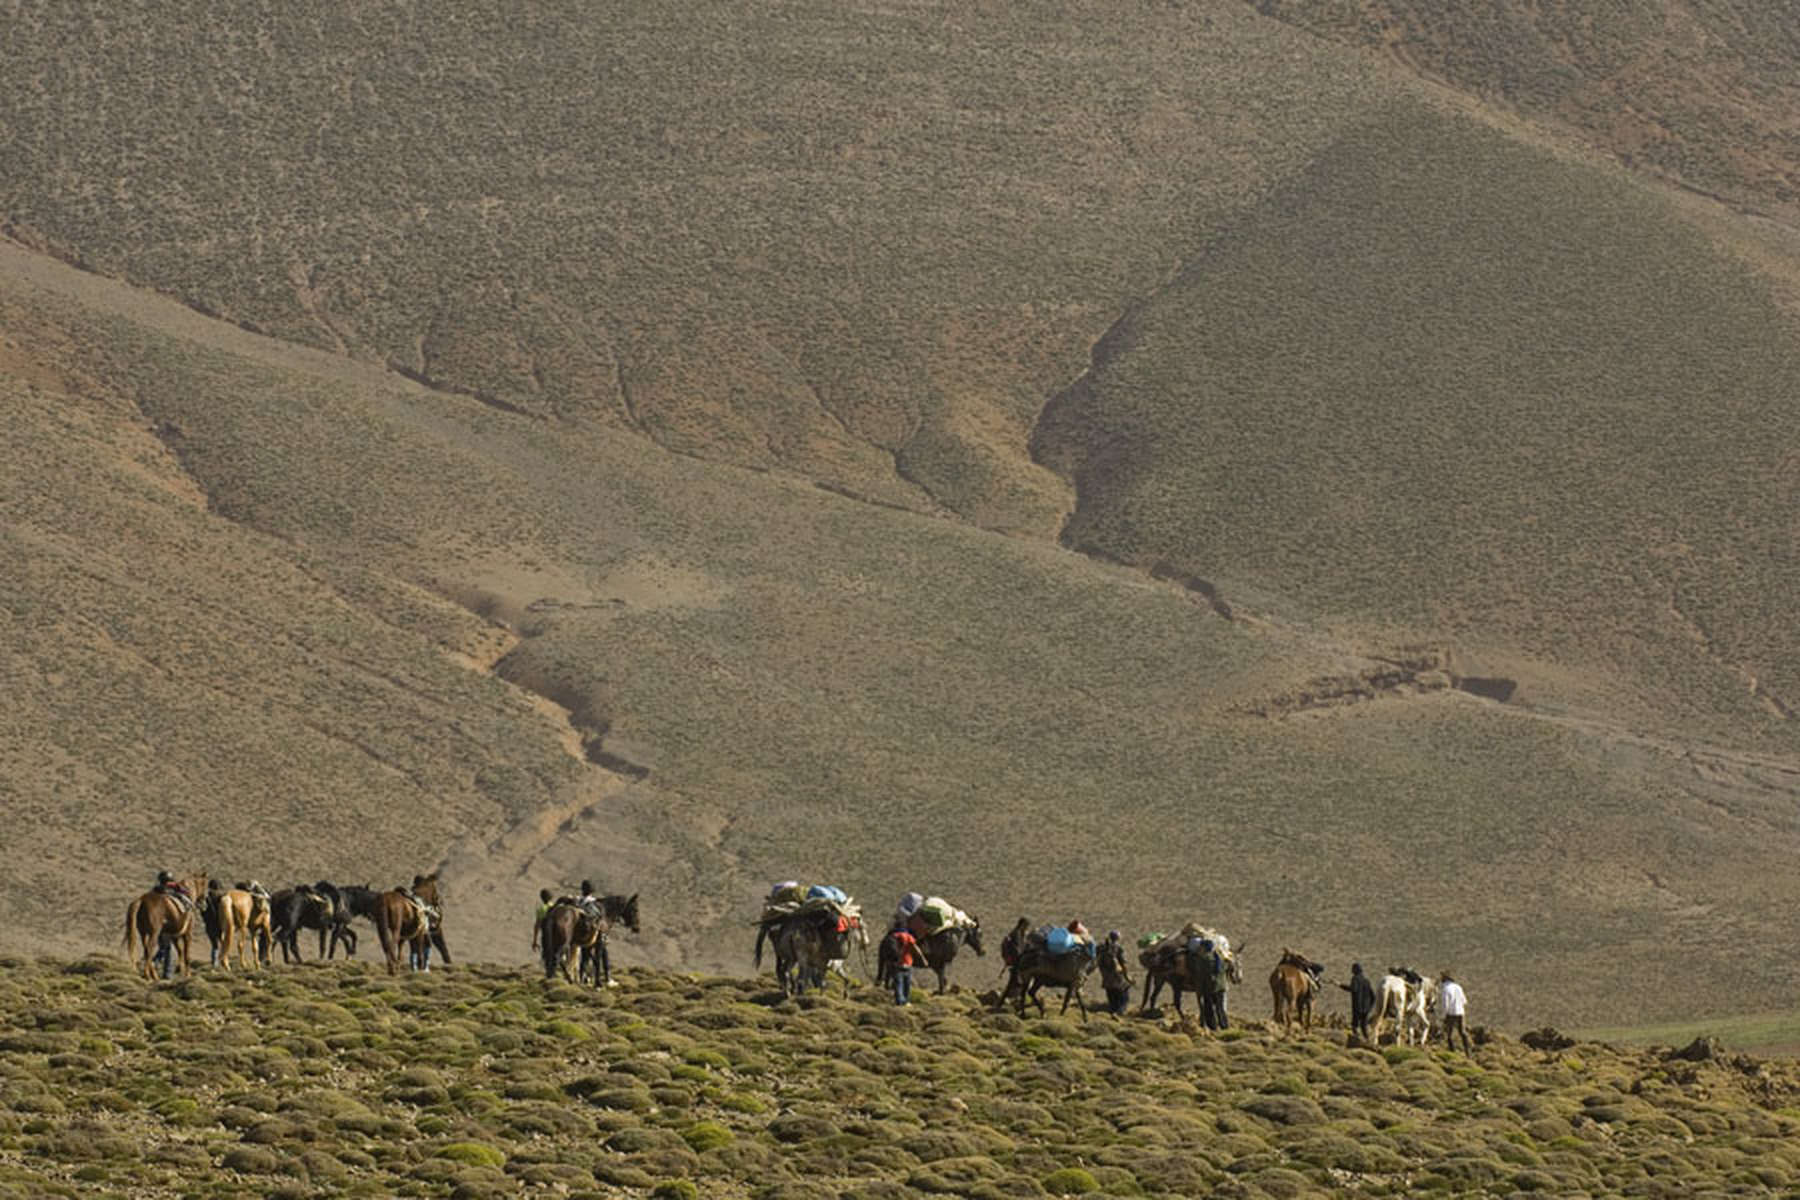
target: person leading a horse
<point>590,904</point>
<point>169,886</point>
<point>1362,1002</point>
<point>537,920</point>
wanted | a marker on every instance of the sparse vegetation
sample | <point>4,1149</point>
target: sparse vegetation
<point>859,1100</point>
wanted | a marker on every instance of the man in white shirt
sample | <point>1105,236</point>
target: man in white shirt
<point>1453,1005</point>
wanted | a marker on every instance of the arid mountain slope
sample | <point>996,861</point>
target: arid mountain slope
<point>861,243</point>
<point>633,482</point>
<point>770,679</point>
<point>1700,92</point>
<point>1445,383</point>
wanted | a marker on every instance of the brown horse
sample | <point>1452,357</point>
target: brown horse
<point>1293,983</point>
<point>572,926</point>
<point>157,916</point>
<point>242,916</point>
<point>413,921</point>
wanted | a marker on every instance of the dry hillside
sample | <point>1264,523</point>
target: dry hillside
<point>1123,461</point>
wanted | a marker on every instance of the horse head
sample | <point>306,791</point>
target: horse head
<point>972,937</point>
<point>1234,970</point>
<point>625,909</point>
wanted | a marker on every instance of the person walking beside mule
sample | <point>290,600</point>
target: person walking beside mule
<point>1454,1006</point>
<point>906,949</point>
<point>1115,977</point>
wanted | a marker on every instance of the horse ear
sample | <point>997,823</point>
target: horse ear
<point>633,899</point>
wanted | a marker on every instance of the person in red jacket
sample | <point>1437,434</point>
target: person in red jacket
<point>907,951</point>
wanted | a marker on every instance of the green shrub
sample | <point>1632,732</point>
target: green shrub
<point>477,1154</point>
<point>675,1189</point>
<point>706,1135</point>
<point>1070,1181</point>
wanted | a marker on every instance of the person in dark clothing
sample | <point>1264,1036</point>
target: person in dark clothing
<point>1114,976</point>
<point>590,904</point>
<point>1206,969</point>
<point>1011,946</point>
<point>1362,1001</point>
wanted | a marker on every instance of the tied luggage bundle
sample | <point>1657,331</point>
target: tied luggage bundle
<point>933,916</point>
<point>821,900</point>
<point>1058,940</point>
<point>1159,951</point>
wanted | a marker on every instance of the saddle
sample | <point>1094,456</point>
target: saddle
<point>428,914</point>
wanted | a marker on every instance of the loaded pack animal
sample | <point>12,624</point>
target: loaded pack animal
<point>319,906</point>
<point>1166,963</point>
<point>572,926</point>
<point>807,946</point>
<point>1293,984</point>
<point>938,949</point>
<point>157,917</point>
<point>1406,998</point>
<point>411,920</point>
<point>1037,967</point>
<point>241,915</point>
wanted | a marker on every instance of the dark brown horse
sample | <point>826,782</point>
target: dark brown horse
<point>572,926</point>
<point>1166,963</point>
<point>1037,966</point>
<point>156,917</point>
<point>1292,984</point>
<point>412,921</point>
<point>938,950</point>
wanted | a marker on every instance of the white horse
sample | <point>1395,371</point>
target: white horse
<point>1408,1004</point>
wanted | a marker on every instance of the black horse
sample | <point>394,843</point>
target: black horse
<point>356,900</point>
<point>321,907</point>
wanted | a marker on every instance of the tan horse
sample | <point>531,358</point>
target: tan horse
<point>155,916</point>
<point>243,920</point>
<point>413,922</point>
<point>1292,984</point>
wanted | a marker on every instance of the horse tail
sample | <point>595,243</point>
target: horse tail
<point>131,915</point>
<point>762,931</point>
<point>389,937</point>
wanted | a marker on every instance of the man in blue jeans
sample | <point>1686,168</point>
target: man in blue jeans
<point>906,950</point>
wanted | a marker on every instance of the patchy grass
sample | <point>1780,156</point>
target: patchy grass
<point>858,1100</point>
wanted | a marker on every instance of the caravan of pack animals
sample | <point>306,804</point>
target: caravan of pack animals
<point>811,932</point>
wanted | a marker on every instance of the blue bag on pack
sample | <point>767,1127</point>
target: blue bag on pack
<point>825,891</point>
